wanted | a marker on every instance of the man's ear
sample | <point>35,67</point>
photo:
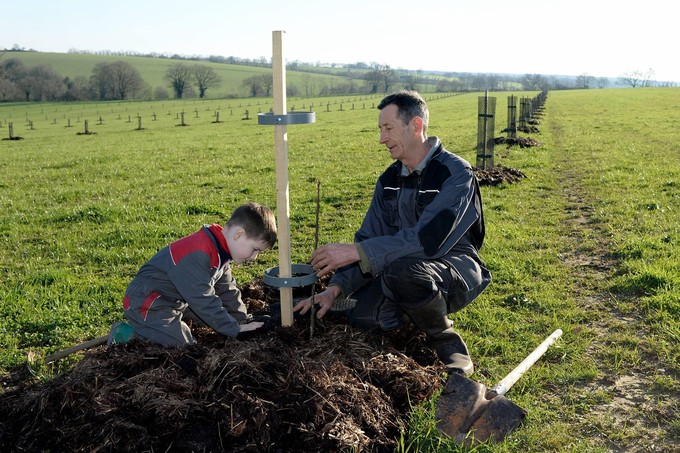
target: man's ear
<point>417,125</point>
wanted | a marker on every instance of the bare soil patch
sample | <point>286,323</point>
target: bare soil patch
<point>497,175</point>
<point>522,142</point>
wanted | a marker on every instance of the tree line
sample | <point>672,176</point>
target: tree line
<point>117,80</point>
<point>120,80</point>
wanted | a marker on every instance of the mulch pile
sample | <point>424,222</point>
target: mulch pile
<point>522,142</point>
<point>277,390</point>
<point>497,175</point>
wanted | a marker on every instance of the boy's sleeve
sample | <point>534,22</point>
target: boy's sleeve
<point>230,295</point>
<point>192,278</point>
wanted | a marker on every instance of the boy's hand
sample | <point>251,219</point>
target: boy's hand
<point>249,330</point>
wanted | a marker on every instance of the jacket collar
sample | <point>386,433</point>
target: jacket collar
<point>435,144</point>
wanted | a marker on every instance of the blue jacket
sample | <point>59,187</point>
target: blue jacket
<point>435,212</point>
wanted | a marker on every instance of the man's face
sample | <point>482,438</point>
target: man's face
<point>394,134</point>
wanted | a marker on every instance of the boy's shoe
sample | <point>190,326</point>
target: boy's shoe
<point>121,332</point>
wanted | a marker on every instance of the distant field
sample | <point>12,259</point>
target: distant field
<point>153,71</point>
<point>588,242</point>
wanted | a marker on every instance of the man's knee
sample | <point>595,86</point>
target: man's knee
<point>409,280</point>
<point>372,310</point>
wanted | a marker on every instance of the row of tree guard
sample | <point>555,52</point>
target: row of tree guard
<point>529,107</point>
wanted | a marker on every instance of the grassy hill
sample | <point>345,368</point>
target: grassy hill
<point>153,71</point>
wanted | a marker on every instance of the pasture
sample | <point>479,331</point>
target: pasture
<point>153,71</point>
<point>588,242</point>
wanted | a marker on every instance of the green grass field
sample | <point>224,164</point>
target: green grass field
<point>588,242</point>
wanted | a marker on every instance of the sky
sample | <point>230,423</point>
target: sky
<point>601,38</point>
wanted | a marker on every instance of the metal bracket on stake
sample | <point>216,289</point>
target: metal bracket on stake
<point>271,119</point>
<point>308,277</point>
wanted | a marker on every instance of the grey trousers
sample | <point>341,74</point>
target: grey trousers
<point>406,285</point>
<point>164,321</point>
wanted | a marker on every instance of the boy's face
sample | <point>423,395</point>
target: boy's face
<point>243,248</point>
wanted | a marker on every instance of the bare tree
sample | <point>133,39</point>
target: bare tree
<point>101,81</point>
<point>205,77</point>
<point>160,93</point>
<point>308,84</point>
<point>178,76</point>
<point>13,69</point>
<point>390,78</point>
<point>410,82</point>
<point>374,80</point>
<point>448,85</point>
<point>647,78</point>
<point>252,84</point>
<point>381,78</point>
<point>126,80</point>
<point>636,78</point>
<point>117,80</point>
<point>8,91</point>
<point>584,80</point>
<point>259,85</point>
<point>534,82</point>
<point>267,83</point>
<point>41,83</point>
<point>603,82</point>
<point>77,89</point>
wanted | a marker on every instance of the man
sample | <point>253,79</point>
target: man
<point>416,253</point>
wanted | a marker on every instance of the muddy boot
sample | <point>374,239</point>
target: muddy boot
<point>432,319</point>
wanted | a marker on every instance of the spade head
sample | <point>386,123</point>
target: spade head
<point>469,413</point>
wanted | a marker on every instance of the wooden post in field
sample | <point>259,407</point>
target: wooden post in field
<point>282,199</point>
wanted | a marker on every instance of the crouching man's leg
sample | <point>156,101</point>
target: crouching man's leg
<point>416,286</point>
<point>371,310</point>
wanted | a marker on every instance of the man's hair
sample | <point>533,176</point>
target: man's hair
<point>410,105</point>
<point>257,221</point>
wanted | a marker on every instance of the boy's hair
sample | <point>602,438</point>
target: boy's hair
<point>257,221</point>
<point>410,104</point>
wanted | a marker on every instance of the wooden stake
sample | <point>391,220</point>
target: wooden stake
<point>282,199</point>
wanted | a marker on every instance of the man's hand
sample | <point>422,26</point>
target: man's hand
<point>324,299</point>
<point>330,257</point>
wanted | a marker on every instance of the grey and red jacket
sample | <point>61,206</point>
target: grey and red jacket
<point>193,271</point>
<point>434,212</point>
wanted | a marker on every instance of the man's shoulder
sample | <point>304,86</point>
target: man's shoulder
<point>450,159</point>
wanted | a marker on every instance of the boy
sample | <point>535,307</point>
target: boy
<point>191,279</point>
